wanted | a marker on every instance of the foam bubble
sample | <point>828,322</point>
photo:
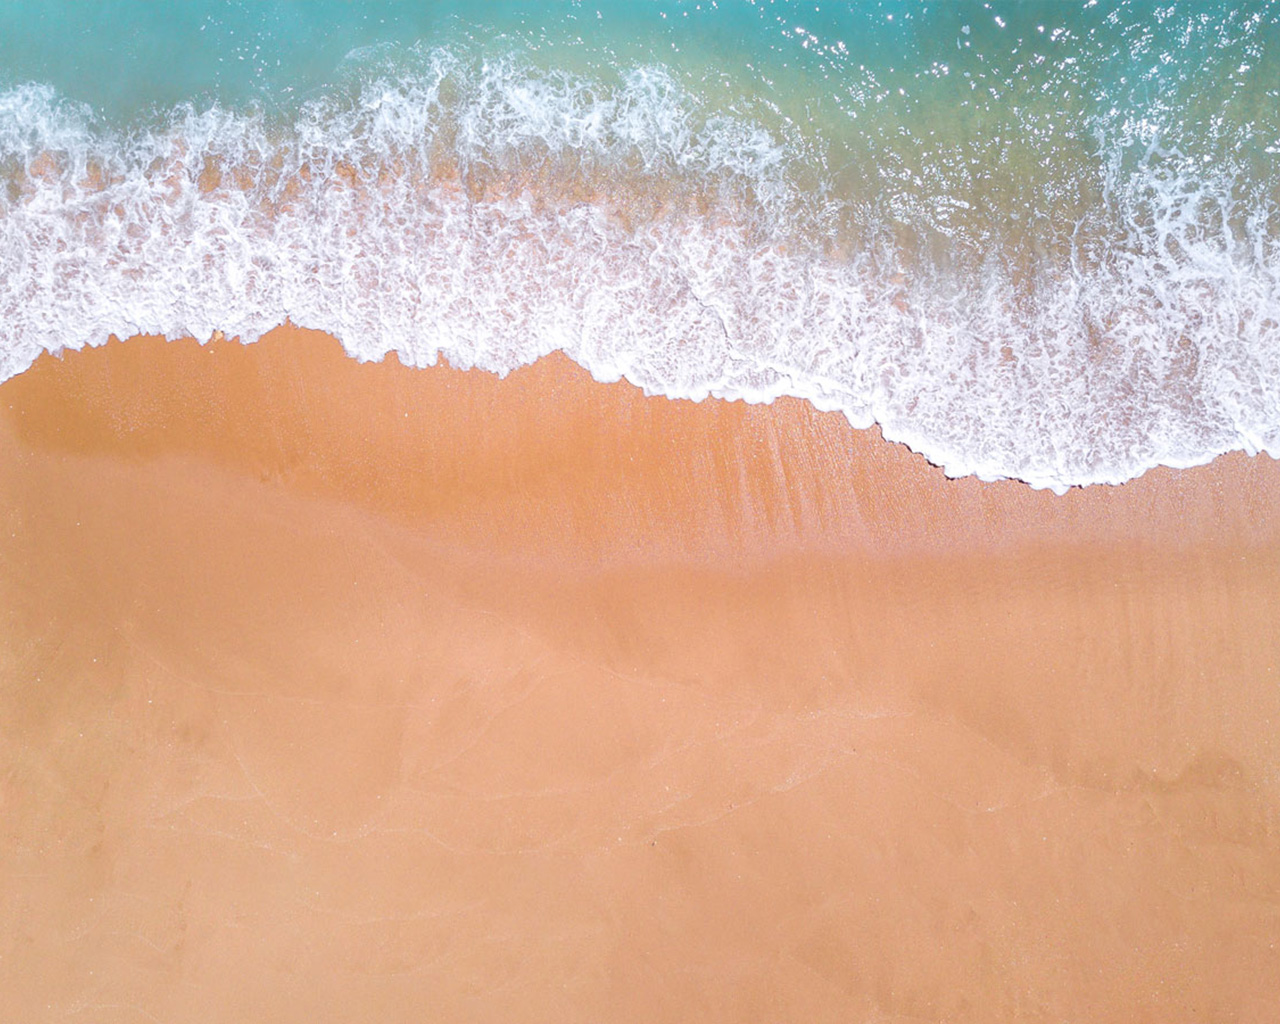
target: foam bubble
<point>492,213</point>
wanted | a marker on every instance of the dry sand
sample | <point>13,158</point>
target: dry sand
<point>340,692</point>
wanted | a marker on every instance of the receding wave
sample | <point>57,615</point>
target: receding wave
<point>491,213</point>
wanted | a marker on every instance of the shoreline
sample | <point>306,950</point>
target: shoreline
<point>354,689</point>
<point>1040,367</point>
<point>879,496</point>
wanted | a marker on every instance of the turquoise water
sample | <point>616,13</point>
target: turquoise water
<point>1033,240</point>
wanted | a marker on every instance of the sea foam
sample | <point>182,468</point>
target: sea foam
<point>492,212</point>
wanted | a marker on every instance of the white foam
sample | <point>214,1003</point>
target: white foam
<point>1163,346</point>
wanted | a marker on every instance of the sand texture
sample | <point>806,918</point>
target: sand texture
<point>342,692</point>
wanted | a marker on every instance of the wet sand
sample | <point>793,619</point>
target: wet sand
<point>341,692</point>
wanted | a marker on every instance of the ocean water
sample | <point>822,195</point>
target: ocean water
<point>1030,240</point>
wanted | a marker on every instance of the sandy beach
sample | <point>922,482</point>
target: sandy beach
<point>343,692</point>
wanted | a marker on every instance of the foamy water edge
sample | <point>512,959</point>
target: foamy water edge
<point>361,220</point>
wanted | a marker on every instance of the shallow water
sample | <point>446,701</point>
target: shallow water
<point>1031,240</point>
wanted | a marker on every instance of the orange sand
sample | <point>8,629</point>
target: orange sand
<point>340,692</point>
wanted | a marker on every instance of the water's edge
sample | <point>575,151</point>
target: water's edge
<point>489,211</point>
